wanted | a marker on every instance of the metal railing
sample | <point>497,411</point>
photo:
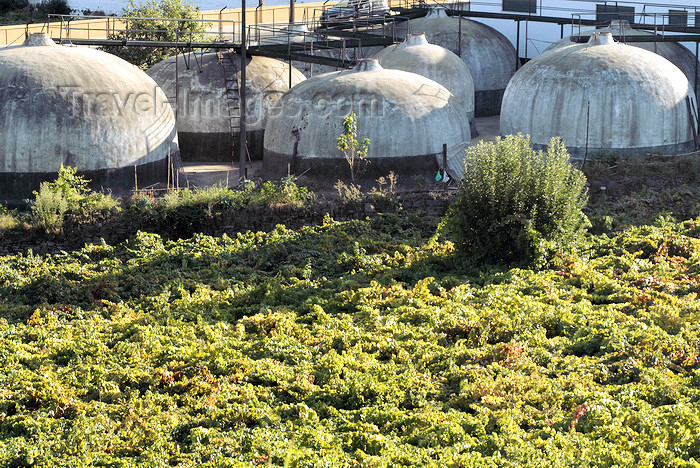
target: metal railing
<point>132,28</point>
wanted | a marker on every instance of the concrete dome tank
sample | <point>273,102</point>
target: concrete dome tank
<point>83,108</point>
<point>203,123</point>
<point>600,97</point>
<point>407,118</point>
<point>417,55</point>
<point>674,52</point>
<point>488,54</point>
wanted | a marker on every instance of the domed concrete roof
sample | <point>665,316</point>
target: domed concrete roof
<point>488,54</point>
<point>406,116</point>
<point>602,96</point>
<point>83,108</point>
<point>674,52</point>
<point>417,55</point>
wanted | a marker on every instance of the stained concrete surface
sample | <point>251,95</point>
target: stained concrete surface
<point>206,174</point>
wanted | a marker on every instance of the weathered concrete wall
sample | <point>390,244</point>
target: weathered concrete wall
<point>78,107</point>
<point>220,147</point>
<point>202,116</point>
<point>601,95</point>
<point>15,187</point>
<point>403,114</point>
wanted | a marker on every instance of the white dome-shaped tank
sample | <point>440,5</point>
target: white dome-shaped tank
<point>83,108</point>
<point>417,55</point>
<point>407,118</point>
<point>203,122</point>
<point>601,97</point>
<point>488,54</point>
<point>674,52</point>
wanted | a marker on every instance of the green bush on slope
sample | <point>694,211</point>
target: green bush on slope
<point>512,198</point>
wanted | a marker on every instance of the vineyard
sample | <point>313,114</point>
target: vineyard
<point>367,342</point>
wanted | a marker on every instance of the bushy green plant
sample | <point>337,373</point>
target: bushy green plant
<point>53,7</point>
<point>50,207</point>
<point>158,29</point>
<point>286,191</point>
<point>69,193</point>
<point>513,198</point>
<point>8,219</point>
<point>22,11</point>
<point>7,6</point>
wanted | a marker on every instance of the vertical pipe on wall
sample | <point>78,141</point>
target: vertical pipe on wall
<point>242,168</point>
<point>697,57</point>
<point>517,46</point>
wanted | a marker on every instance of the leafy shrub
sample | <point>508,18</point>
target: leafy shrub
<point>69,193</point>
<point>53,7</point>
<point>7,6</point>
<point>8,220</point>
<point>22,11</point>
<point>50,207</point>
<point>354,150</point>
<point>513,198</point>
<point>187,212</point>
<point>157,29</point>
<point>286,191</point>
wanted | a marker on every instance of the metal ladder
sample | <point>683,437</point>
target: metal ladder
<point>233,96</point>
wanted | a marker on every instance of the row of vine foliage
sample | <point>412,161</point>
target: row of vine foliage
<point>361,343</point>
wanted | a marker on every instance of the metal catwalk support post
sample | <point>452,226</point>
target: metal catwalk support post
<point>291,12</point>
<point>242,168</point>
<point>289,58</point>
<point>177,96</point>
<point>588,118</point>
<point>221,25</point>
<point>656,32</point>
<point>517,46</point>
<point>459,34</point>
<point>527,23</point>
